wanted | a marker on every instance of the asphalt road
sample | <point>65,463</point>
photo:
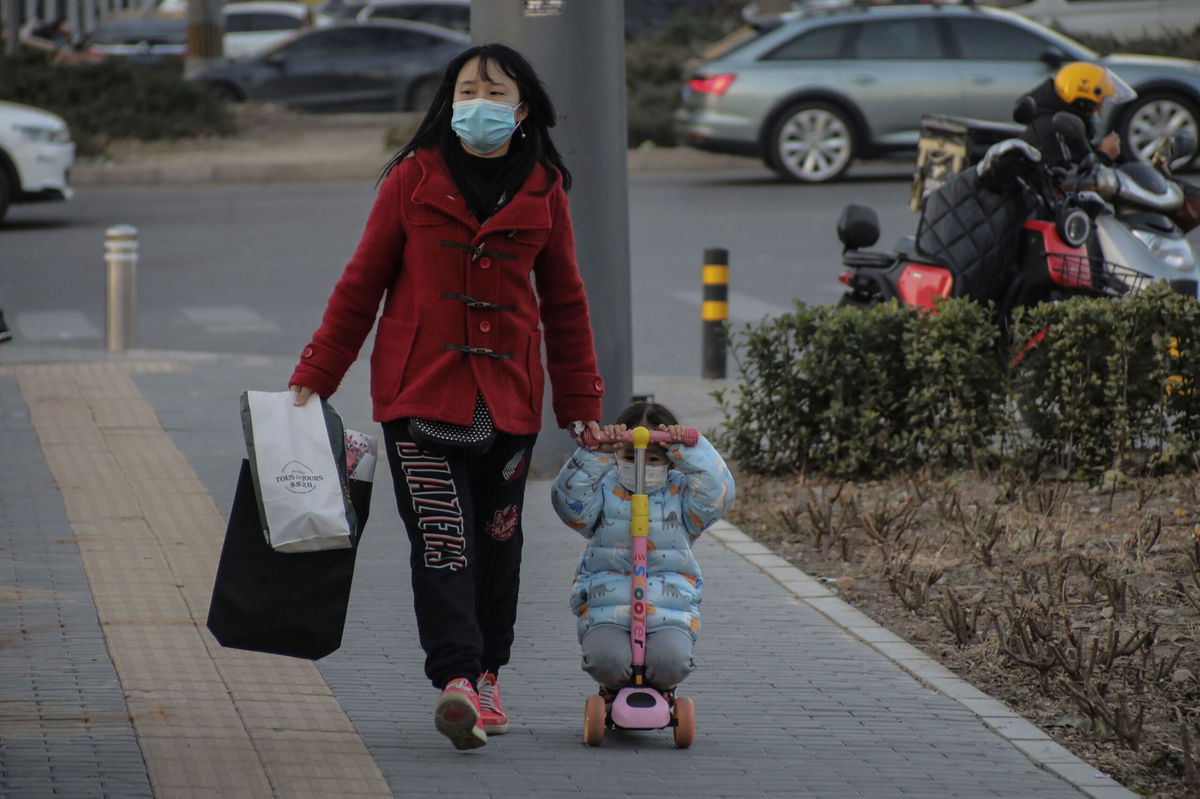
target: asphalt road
<point>247,268</point>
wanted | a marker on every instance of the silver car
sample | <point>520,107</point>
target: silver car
<point>825,87</point>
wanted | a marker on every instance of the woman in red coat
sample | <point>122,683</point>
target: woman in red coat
<point>471,208</point>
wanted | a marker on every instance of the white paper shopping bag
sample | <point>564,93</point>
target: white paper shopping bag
<point>298,460</point>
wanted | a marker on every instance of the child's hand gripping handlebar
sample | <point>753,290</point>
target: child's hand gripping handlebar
<point>690,436</point>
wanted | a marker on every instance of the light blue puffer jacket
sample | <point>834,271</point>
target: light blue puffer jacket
<point>588,497</point>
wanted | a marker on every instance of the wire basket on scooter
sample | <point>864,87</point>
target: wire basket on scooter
<point>1095,275</point>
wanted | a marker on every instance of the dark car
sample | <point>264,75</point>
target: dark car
<point>375,66</point>
<point>142,38</point>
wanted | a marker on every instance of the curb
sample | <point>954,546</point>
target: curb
<point>275,167</point>
<point>1039,747</point>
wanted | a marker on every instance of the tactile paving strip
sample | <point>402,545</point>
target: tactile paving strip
<point>210,721</point>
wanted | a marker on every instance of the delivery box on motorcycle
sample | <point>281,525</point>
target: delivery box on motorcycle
<point>947,146</point>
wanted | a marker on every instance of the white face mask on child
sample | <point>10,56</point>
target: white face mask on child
<point>656,476</point>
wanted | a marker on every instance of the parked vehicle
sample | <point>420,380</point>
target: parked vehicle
<point>822,88</point>
<point>36,154</point>
<point>141,38</point>
<point>156,38</point>
<point>252,27</point>
<point>452,14</point>
<point>1016,232</point>
<point>1125,19</point>
<point>373,66</point>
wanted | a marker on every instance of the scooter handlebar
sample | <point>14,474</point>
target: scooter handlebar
<point>690,436</point>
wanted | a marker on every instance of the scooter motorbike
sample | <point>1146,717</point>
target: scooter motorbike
<point>1015,232</point>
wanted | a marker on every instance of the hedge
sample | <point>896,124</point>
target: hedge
<point>1088,385</point>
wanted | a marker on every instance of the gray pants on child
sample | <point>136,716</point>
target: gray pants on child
<point>606,656</point>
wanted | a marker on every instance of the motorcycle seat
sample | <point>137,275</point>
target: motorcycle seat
<point>868,259</point>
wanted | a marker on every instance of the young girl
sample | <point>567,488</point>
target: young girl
<point>689,489</point>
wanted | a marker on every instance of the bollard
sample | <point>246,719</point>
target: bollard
<point>714,311</point>
<point>120,261</point>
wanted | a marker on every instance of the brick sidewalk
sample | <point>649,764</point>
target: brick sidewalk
<point>119,473</point>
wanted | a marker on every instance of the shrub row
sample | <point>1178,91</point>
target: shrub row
<point>113,99</point>
<point>1088,385</point>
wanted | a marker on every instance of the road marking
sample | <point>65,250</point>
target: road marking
<point>229,319</point>
<point>742,307</point>
<point>54,325</point>
<point>210,721</point>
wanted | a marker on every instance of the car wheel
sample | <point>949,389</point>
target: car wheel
<point>1151,118</point>
<point>420,98</point>
<point>6,191</point>
<point>811,142</point>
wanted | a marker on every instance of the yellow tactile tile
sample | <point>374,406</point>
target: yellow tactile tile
<point>211,721</point>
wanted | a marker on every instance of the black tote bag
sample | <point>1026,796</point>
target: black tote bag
<point>282,603</point>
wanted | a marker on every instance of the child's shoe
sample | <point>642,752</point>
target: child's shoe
<point>456,715</point>
<point>494,719</point>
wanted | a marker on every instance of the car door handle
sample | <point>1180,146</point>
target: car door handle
<point>862,79</point>
<point>982,80</point>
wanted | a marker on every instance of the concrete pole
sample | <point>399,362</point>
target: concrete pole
<point>577,48</point>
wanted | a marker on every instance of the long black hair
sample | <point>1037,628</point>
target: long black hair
<point>534,147</point>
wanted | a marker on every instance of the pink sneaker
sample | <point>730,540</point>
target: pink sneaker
<point>494,719</point>
<point>456,715</point>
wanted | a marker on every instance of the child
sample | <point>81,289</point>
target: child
<point>689,489</point>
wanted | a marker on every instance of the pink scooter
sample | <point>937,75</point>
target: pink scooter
<point>638,706</point>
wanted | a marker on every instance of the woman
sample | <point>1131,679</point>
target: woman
<point>466,211</point>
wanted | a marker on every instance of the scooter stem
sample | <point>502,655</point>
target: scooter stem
<point>639,529</point>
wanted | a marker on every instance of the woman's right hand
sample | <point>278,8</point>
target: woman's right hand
<point>300,394</point>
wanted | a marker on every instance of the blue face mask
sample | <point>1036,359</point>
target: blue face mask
<point>483,125</point>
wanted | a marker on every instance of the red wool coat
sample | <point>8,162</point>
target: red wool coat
<point>459,310</point>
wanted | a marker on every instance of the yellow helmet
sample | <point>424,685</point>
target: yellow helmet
<point>1080,80</point>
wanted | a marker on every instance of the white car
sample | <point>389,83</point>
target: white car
<point>36,154</point>
<point>252,27</point>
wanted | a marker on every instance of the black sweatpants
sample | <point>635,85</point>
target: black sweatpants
<point>463,517</point>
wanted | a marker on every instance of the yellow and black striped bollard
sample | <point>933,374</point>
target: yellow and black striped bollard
<point>714,310</point>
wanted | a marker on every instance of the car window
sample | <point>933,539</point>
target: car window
<point>990,40</point>
<point>823,42</point>
<point>338,41</point>
<point>242,23</point>
<point>133,30</point>
<point>897,39</point>
<point>389,12</point>
<point>388,40</point>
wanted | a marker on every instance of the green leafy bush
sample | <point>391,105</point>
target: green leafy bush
<point>848,392</point>
<point>113,99</point>
<point>1092,384</point>
<point>1179,44</point>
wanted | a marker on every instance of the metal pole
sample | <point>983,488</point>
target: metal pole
<point>120,261</point>
<point>714,311</point>
<point>10,21</point>
<point>205,36</point>
<point>578,50</point>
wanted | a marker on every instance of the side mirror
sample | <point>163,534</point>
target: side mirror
<point>858,227</point>
<point>1053,57</point>
<point>1024,110</point>
<point>277,60</point>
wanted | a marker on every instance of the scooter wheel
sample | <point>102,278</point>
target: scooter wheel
<point>593,720</point>
<point>685,722</point>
